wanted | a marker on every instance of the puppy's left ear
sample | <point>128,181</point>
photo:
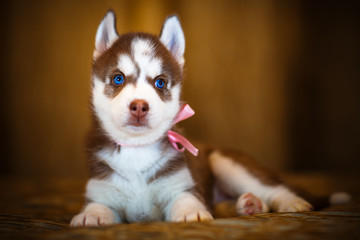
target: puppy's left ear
<point>172,36</point>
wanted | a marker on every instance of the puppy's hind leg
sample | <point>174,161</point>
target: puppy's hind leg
<point>249,204</point>
<point>257,189</point>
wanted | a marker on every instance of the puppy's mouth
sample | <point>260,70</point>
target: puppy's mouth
<point>137,122</point>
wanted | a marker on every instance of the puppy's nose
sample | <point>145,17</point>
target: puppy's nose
<point>139,108</point>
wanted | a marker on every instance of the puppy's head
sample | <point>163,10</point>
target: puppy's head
<point>137,81</point>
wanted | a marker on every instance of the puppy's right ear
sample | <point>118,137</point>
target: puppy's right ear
<point>106,34</point>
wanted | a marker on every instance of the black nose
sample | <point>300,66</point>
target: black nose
<point>139,108</point>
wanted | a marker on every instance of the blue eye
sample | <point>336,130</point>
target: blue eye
<point>118,79</point>
<point>159,83</point>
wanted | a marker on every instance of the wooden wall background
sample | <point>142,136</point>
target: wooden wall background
<point>277,79</point>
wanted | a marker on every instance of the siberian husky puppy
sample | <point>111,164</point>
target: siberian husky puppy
<point>138,168</point>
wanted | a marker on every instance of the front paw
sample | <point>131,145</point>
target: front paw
<point>94,215</point>
<point>187,208</point>
<point>193,216</point>
<point>295,204</point>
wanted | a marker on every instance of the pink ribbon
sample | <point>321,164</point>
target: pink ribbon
<point>176,139</point>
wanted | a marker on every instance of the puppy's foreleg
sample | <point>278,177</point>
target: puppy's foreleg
<point>94,215</point>
<point>187,208</point>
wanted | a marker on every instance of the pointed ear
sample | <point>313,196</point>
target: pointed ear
<point>106,34</point>
<point>172,37</point>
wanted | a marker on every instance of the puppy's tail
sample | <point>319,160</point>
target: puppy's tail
<point>338,198</point>
<point>321,202</point>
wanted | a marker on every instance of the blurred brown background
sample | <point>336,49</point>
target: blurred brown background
<point>277,79</point>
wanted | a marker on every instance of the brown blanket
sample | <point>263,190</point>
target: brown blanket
<point>41,208</point>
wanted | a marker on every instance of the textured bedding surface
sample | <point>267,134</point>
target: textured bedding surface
<point>41,208</point>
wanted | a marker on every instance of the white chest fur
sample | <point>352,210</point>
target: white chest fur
<point>136,160</point>
<point>128,191</point>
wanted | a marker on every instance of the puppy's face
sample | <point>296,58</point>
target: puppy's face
<point>137,81</point>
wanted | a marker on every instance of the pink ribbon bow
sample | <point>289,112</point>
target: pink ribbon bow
<point>175,138</point>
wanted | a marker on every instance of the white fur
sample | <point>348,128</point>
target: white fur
<point>95,214</point>
<point>114,113</point>
<point>134,160</point>
<point>128,192</point>
<point>136,200</point>
<point>127,195</point>
<point>126,65</point>
<point>143,52</point>
<point>172,36</point>
<point>236,180</point>
<point>188,208</point>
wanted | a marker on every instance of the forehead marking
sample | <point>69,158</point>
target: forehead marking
<point>126,65</point>
<point>144,56</point>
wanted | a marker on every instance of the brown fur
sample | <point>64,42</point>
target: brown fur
<point>172,166</point>
<point>105,66</point>
<point>96,140</point>
<point>205,182</point>
<point>201,172</point>
<point>264,175</point>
